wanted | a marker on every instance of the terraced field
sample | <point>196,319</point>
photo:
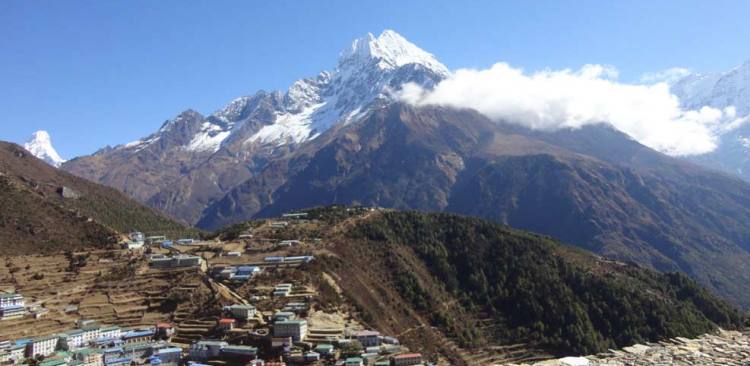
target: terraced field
<point>110,287</point>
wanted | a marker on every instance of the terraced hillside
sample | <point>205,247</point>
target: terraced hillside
<point>46,210</point>
<point>110,287</point>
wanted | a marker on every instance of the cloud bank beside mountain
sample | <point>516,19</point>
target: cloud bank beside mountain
<point>554,99</point>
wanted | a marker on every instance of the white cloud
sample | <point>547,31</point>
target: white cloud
<point>669,76</point>
<point>549,100</point>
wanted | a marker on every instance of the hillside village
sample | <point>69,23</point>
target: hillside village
<point>257,293</point>
<point>156,301</point>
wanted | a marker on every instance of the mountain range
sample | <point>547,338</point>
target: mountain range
<point>344,137</point>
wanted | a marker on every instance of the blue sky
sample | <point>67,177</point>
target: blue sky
<point>96,73</point>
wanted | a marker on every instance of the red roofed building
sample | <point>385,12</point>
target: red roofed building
<point>407,359</point>
<point>164,330</point>
<point>226,323</point>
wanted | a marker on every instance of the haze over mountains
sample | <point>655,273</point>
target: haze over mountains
<point>348,136</point>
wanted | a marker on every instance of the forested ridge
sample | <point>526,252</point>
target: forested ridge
<point>539,290</point>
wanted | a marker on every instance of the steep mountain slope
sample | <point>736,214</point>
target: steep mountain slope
<point>40,145</point>
<point>484,285</point>
<point>631,203</point>
<point>722,90</point>
<point>48,210</point>
<point>194,160</point>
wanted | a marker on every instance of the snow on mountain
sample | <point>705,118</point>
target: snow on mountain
<point>717,90</point>
<point>40,145</point>
<point>370,69</point>
<point>367,71</point>
<point>209,138</point>
<point>723,90</point>
<point>390,50</point>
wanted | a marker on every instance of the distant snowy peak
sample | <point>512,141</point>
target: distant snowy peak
<point>719,90</point>
<point>722,90</point>
<point>40,145</point>
<point>391,50</point>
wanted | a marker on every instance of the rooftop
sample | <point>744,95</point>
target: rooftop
<point>289,322</point>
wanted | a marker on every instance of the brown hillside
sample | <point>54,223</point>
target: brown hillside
<point>47,210</point>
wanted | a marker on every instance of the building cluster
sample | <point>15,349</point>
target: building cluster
<point>92,344</point>
<point>279,335</point>
<point>283,336</point>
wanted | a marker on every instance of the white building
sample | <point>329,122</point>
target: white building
<point>136,240</point>
<point>179,260</point>
<point>43,346</point>
<point>71,340</point>
<point>244,312</point>
<point>12,355</point>
<point>289,243</point>
<point>90,333</point>
<point>11,300</point>
<point>110,332</point>
<point>296,329</point>
<point>133,245</point>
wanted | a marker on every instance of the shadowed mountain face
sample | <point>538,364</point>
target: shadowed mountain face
<point>47,210</point>
<point>594,187</point>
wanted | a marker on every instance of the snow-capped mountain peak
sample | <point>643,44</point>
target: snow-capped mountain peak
<point>40,145</point>
<point>370,69</point>
<point>391,50</point>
